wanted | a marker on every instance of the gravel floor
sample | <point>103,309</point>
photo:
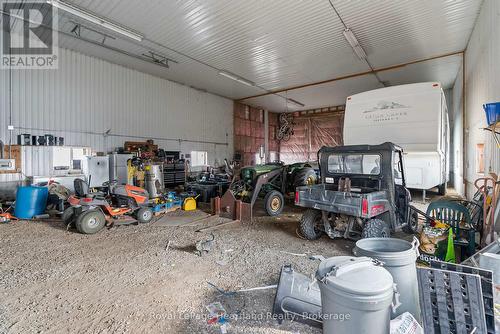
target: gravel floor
<point>124,280</point>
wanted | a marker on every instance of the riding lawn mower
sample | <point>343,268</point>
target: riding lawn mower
<point>90,211</point>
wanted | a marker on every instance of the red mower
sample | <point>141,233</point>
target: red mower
<point>121,204</point>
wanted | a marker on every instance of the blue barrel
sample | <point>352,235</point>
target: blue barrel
<point>492,111</point>
<point>30,201</point>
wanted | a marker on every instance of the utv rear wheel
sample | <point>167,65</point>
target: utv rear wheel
<point>144,215</point>
<point>90,222</point>
<point>68,215</point>
<point>305,177</point>
<point>274,203</point>
<point>376,228</point>
<point>309,226</point>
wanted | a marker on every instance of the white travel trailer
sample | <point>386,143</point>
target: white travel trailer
<point>413,116</point>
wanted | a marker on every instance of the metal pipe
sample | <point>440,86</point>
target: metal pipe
<point>464,125</point>
<point>2,145</point>
<point>180,140</point>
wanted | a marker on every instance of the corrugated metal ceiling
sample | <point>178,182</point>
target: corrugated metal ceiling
<point>279,43</point>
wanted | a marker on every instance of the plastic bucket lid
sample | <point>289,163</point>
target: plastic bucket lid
<point>356,280</point>
<point>391,251</point>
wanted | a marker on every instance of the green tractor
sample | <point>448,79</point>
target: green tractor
<point>271,182</point>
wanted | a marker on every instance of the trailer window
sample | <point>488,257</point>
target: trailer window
<point>368,164</point>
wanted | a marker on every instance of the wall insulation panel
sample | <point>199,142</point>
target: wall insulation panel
<point>249,133</point>
<point>86,97</point>
<point>310,133</point>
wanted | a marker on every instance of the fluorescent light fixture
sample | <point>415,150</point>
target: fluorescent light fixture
<point>353,41</point>
<point>235,77</point>
<point>297,103</point>
<point>91,17</point>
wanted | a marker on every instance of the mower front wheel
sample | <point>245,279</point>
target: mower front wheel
<point>90,222</point>
<point>68,215</point>
<point>144,215</point>
<point>274,203</point>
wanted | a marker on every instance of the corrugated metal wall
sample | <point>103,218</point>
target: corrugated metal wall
<point>482,73</point>
<point>87,96</point>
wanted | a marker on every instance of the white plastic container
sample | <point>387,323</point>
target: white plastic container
<point>398,257</point>
<point>356,296</point>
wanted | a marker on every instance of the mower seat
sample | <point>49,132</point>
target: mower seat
<point>82,189</point>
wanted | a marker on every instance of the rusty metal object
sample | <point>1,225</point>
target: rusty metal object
<point>232,208</point>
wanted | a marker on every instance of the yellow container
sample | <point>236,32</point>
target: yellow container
<point>189,204</point>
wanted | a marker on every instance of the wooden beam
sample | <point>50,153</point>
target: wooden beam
<point>388,68</point>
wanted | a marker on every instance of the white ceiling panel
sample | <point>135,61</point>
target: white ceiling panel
<point>318,96</point>
<point>281,43</point>
<point>443,70</point>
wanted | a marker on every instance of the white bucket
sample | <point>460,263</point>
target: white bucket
<point>398,257</point>
<point>356,296</point>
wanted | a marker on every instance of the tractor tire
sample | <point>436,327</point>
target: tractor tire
<point>412,226</point>
<point>68,215</point>
<point>305,177</point>
<point>376,228</point>
<point>442,189</point>
<point>274,203</point>
<point>90,221</point>
<point>308,225</point>
<point>144,215</point>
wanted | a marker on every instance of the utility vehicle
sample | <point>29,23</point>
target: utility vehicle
<point>361,194</point>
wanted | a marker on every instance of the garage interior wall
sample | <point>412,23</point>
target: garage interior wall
<point>311,132</point>
<point>249,133</point>
<point>482,78</point>
<point>88,96</point>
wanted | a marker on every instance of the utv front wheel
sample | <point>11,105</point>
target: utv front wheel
<point>442,189</point>
<point>274,203</point>
<point>90,222</point>
<point>376,228</point>
<point>412,226</point>
<point>310,224</point>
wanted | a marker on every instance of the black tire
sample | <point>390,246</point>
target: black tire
<point>68,215</point>
<point>274,203</point>
<point>376,228</point>
<point>90,222</point>
<point>304,177</point>
<point>442,189</point>
<point>309,224</point>
<point>412,226</point>
<point>144,215</point>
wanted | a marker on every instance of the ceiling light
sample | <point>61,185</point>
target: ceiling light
<point>353,41</point>
<point>86,15</point>
<point>297,103</point>
<point>237,78</point>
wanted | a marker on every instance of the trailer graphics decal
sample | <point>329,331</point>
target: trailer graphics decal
<point>386,111</point>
